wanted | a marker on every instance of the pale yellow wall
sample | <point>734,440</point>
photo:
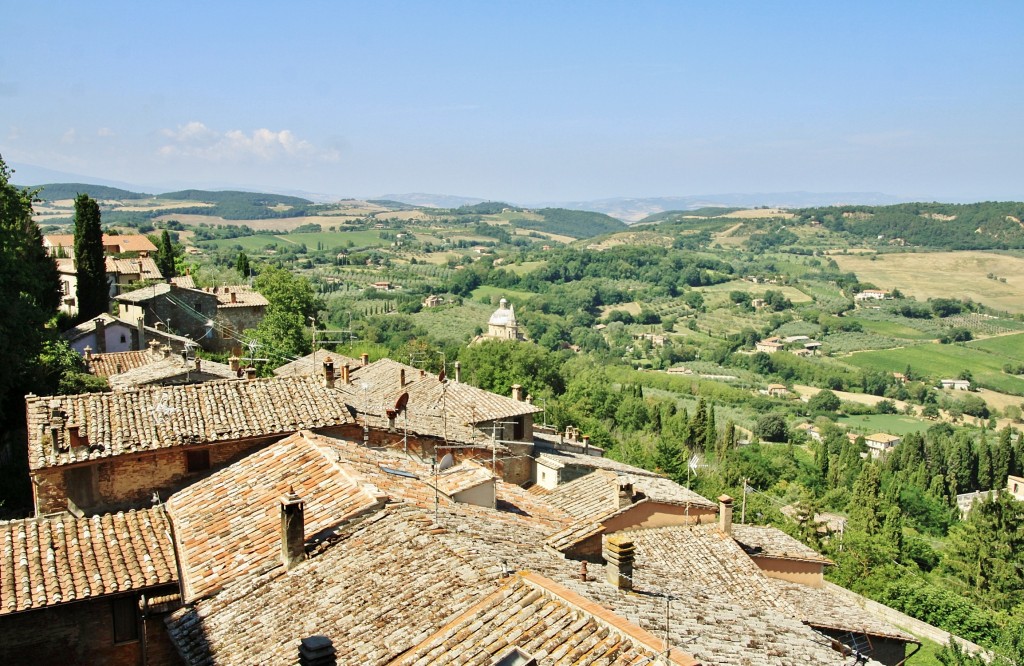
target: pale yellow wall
<point>794,571</point>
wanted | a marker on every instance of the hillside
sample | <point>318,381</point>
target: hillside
<point>60,191</point>
<point>575,223</point>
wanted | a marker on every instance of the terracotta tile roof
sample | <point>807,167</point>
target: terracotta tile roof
<point>822,608</point>
<point>152,418</point>
<point>144,294</point>
<point>312,364</point>
<point>395,579</point>
<point>145,267</point>
<point>773,542</point>
<point>463,476</point>
<point>113,363</point>
<point>112,242</point>
<point>237,296</point>
<point>59,559</point>
<point>596,494</point>
<point>226,526</point>
<point>89,326</point>
<point>562,459</point>
<point>546,621</point>
<point>448,410</point>
<point>184,281</point>
<point>171,370</point>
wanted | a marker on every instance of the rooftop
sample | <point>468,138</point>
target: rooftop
<point>312,364</point>
<point>767,541</point>
<point>60,559</point>
<point>153,418</point>
<point>172,369</point>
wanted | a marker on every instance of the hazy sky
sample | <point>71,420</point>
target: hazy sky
<point>521,101</point>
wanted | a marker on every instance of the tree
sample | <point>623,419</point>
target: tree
<point>165,255</point>
<point>242,265</point>
<point>771,427</point>
<point>90,264</point>
<point>823,401</point>
<point>31,292</point>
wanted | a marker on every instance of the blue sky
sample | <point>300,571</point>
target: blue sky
<point>521,101</point>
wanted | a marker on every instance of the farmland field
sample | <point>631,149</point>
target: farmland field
<point>894,424</point>
<point>942,361</point>
<point>945,275</point>
<point>330,239</point>
<point>1011,346</point>
<point>792,293</point>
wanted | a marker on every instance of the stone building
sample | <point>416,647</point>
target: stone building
<point>503,325</point>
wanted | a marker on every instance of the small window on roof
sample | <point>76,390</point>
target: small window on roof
<point>515,657</point>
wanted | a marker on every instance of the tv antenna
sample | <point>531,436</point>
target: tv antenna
<point>162,409</point>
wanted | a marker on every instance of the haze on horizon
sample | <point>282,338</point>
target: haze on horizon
<point>522,102</point>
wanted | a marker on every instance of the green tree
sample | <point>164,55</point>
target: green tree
<point>90,264</point>
<point>823,401</point>
<point>866,501</point>
<point>771,427</point>
<point>31,292</point>
<point>165,255</point>
<point>242,265</point>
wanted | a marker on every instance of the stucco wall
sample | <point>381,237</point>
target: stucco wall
<point>795,571</point>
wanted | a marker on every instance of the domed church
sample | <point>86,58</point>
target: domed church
<point>502,324</point>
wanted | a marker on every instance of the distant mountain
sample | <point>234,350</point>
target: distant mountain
<point>432,200</point>
<point>636,209</point>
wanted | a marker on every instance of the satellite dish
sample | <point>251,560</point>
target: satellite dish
<point>446,462</point>
<point>402,401</point>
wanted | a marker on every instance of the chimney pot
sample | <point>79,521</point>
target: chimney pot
<point>329,372</point>
<point>250,372</point>
<point>235,364</point>
<point>344,373</point>
<point>458,372</point>
<point>517,392</point>
<point>365,358</point>
<point>88,354</point>
<point>586,444</point>
<point>293,530</point>
<point>401,377</point>
<point>618,555</point>
<point>234,297</point>
<point>199,364</point>
<point>725,514</point>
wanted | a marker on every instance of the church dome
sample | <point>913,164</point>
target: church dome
<point>505,315</point>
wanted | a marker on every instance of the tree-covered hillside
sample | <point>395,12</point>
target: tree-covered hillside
<point>233,197</point>
<point>977,226</point>
<point>60,191</point>
<point>575,223</point>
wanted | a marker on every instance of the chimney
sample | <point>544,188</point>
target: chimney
<point>458,372</point>
<point>517,392</point>
<point>141,325</point>
<point>154,348</point>
<point>401,377</point>
<point>165,351</point>
<point>329,372</point>
<point>317,651</point>
<point>618,556</point>
<point>235,364</point>
<point>101,335</point>
<point>293,529</point>
<point>365,358</point>
<point>725,514</point>
<point>625,495</point>
<point>88,354</point>
<point>250,372</point>
<point>234,297</point>
<point>199,364</point>
<point>586,444</point>
<point>344,373</point>
<point>75,438</point>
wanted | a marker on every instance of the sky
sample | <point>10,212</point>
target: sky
<point>521,101</point>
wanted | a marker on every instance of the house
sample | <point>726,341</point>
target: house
<point>312,365</point>
<point>1015,486</point>
<point>881,442</point>
<point>103,333</point>
<point>174,369</point>
<point>433,301</point>
<point>383,286</point>
<point>63,245</point>
<point>777,390</point>
<point>812,431</point>
<point>871,294</point>
<point>214,317</point>
<point>86,590</point>
<point>956,384</point>
<point>758,303</point>
<point>121,273</point>
<point>769,345</point>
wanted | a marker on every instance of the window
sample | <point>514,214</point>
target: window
<point>519,429</point>
<point>126,619</point>
<point>197,461</point>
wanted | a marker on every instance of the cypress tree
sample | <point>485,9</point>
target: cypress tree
<point>242,264</point>
<point>90,266</point>
<point>165,255</point>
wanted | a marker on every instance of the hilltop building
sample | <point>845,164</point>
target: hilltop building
<point>503,325</point>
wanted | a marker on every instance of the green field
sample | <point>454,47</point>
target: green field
<point>525,267</point>
<point>792,293</point>
<point>894,329</point>
<point>894,424</point>
<point>497,293</point>
<point>454,324</point>
<point>1010,346</point>
<point>942,361</point>
<point>329,239</point>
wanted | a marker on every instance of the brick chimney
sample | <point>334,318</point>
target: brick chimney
<point>725,514</point>
<point>234,297</point>
<point>199,364</point>
<point>344,374</point>
<point>625,495</point>
<point>517,392</point>
<point>365,358</point>
<point>317,651</point>
<point>250,372</point>
<point>101,335</point>
<point>329,372</point>
<point>618,556</point>
<point>235,364</point>
<point>293,529</point>
<point>458,372</point>
<point>586,444</point>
